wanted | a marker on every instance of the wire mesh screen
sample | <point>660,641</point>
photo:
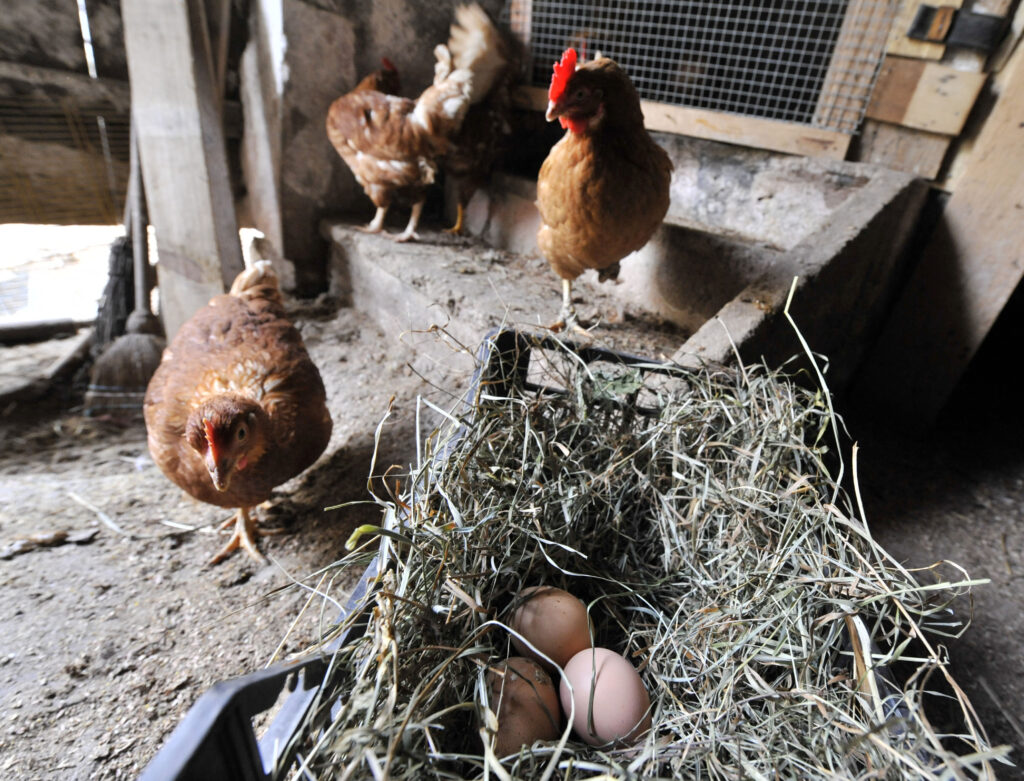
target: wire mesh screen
<point>799,61</point>
<point>62,162</point>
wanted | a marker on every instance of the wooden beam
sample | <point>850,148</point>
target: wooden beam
<point>971,265</point>
<point>924,95</point>
<point>754,132</point>
<point>184,163</point>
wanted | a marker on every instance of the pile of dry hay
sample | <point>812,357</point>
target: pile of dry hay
<point>696,516</point>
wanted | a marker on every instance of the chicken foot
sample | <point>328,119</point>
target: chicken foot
<point>244,536</point>
<point>376,225</point>
<point>414,219</point>
<point>567,318</point>
<point>567,315</point>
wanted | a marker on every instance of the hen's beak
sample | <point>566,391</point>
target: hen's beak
<point>219,469</point>
<point>554,111</point>
<point>221,476</point>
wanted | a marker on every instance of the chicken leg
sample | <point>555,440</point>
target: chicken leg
<point>377,223</point>
<point>567,318</point>
<point>567,315</point>
<point>456,229</point>
<point>414,219</point>
<point>244,536</point>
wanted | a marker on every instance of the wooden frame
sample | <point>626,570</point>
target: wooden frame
<point>755,132</point>
<point>969,269</point>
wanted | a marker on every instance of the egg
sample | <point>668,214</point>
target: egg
<point>554,621</point>
<point>522,695</point>
<point>621,704</point>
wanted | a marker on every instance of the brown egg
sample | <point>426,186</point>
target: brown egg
<point>522,695</point>
<point>621,704</point>
<point>553,620</point>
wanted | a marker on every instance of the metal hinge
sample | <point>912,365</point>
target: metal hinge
<point>957,27</point>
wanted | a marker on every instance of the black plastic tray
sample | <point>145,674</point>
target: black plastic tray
<point>216,739</point>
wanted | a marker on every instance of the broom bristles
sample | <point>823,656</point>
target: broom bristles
<point>121,374</point>
<point>118,295</point>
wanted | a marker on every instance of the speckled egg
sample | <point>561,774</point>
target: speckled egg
<point>522,695</point>
<point>621,704</point>
<point>554,621</point>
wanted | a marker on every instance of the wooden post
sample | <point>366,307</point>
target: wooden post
<point>184,163</point>
<point>971,265</point>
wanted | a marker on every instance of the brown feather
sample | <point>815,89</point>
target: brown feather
<point>392,144</point>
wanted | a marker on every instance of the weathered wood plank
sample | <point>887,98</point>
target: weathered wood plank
<point>970,267</point>
<point>184,163</point>
<point>924,95</point>
<point>902,148</point>
<point>754,132</point>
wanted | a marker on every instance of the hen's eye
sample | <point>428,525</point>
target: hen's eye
<point>580,94</point>
<point>241,433</point>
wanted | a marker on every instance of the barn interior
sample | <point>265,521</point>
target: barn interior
<point>846,188</point>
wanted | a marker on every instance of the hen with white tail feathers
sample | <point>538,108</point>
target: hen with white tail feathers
<point>392,144</point>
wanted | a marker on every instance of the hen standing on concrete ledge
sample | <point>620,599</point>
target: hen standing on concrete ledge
<point>604,188</point>
<point>393,144</point>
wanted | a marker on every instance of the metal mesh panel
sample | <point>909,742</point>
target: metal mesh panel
<point>799,61</point>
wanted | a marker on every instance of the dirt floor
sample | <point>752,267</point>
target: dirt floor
<point>957,493</point>
<point>107,641</point>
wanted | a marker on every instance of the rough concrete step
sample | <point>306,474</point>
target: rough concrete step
<point>468,288</point>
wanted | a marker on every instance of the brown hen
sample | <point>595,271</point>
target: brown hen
<point>237,406</point>
<point>392,144</point>
<point>603,189</point>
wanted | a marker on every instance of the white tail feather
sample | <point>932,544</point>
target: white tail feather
<point>261,271</point>
<point>475,46</point>
<point>465,71</point>
<point>443,66</point>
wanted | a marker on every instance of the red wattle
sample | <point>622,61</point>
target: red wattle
<point>575,125</point>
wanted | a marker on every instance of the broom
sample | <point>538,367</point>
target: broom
<point>117,383</point>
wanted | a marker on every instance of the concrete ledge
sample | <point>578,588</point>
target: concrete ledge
<point>743,224</point>
<point>468,288</point>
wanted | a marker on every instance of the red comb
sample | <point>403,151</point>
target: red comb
<point>388,65</point>
<point>208,427</point>
<point>562,72</point>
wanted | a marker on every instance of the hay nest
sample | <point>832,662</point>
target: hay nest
<point>699,516</point>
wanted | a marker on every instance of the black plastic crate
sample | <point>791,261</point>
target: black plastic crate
<point>216,739</point>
